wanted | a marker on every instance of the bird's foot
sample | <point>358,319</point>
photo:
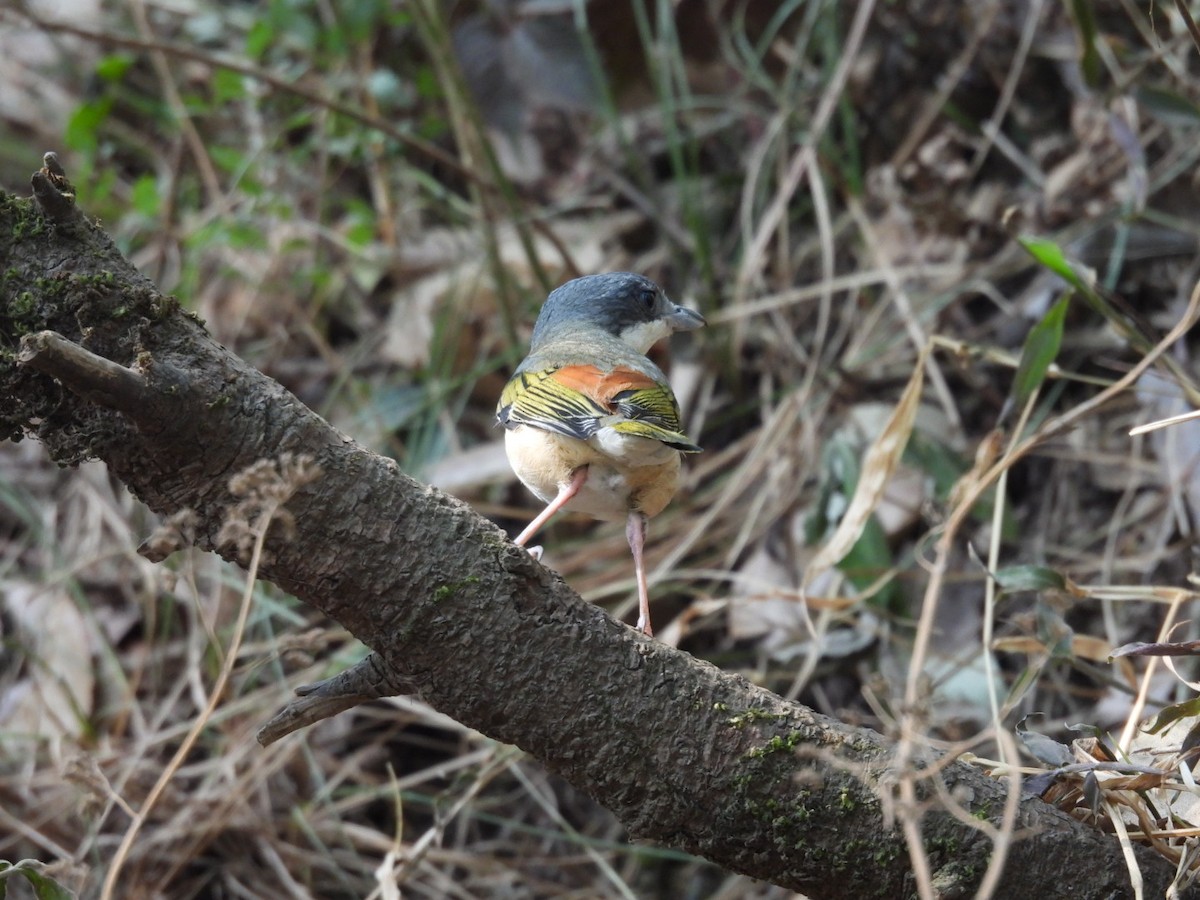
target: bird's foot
<point>535,552</point>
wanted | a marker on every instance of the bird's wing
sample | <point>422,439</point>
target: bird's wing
<point>542,400</point>
<point>580,400</point>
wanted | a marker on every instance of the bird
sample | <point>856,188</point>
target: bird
<point>591,424</point>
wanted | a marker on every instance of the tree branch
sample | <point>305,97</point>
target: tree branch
<point>681,752</point>
<point>92,377</point>
<point>368,679</point>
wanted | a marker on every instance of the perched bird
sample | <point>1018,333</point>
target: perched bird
<point>591,423</point>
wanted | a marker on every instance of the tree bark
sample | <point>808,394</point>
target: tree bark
<point>681,752</point>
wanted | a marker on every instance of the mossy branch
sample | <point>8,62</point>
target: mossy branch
<point>683,753</point>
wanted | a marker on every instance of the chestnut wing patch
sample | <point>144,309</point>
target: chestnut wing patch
<point>605,388</point>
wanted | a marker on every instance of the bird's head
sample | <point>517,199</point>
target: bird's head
<point>626,305</point>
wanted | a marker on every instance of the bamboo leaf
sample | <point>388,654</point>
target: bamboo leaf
<point>1041,348</point>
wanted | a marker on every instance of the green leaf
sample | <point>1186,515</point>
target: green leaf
<point>47,888</point>
<point>1175,713</point>
<point>1041,347</point>
<point>868,559</point>
<point>1029,578</point>
<point>227,86</point>
<point>1050,255</point>
<point>145,196</point>
<point>1173,108</point>
<point>229,159</point>
<point>44,887</point>
<point>1089,61</point>
<point>1119,315</point>
<point>85,122</point>
<point>936,460</point>
<point>112,68</point>
<point>259,38</point>
<point>1083,279</point>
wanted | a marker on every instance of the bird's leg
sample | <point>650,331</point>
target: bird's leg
<point>565,493</point>
<point>635,533</point>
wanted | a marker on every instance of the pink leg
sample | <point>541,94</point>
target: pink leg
<point>635,533</point>
<point>565,493</point>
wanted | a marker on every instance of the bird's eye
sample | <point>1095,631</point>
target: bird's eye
<point>648,296</point>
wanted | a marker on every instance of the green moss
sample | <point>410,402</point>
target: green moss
<point>782,818</point>
<point>27,225</point>
<point>886,853</point>
<point>792,809</point>
<point>446,591</point>
<point>22,305</point>
<point>103,278</point>
<point>750,715</point>
<point>946,846</point>
<point>778,744</point>
<point>852,854</point>
<point>161,307</point>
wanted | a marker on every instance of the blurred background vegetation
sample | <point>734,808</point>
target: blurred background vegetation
<point>368,201</point>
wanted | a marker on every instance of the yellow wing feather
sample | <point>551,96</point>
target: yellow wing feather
<point>580,400</point>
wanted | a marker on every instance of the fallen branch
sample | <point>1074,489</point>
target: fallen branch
<point>681,752</point>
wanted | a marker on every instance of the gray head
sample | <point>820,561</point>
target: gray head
<point>624,304</point>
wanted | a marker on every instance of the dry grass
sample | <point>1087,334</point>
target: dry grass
<point>838,196</point>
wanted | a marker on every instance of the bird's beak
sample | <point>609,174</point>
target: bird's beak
<point>684,319</point>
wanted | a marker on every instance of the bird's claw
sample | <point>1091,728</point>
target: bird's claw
<point>535,552</point>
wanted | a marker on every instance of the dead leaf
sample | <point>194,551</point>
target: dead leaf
<point>880,462</point>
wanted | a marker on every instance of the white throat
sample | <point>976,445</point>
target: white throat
<point>644,335</point>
